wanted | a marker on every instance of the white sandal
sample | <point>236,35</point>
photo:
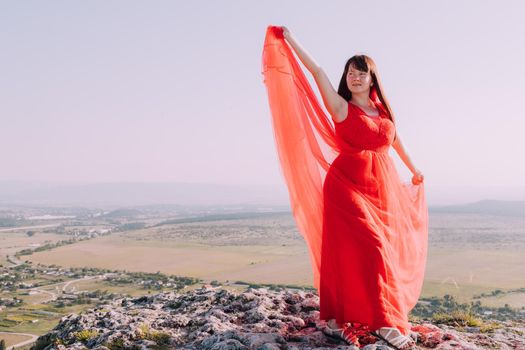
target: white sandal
<point>338,332</point>
<point>414,335</point>
<point>398,342</point>
<point>332,331</point>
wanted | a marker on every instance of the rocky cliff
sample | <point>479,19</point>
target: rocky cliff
<point>214,318</point>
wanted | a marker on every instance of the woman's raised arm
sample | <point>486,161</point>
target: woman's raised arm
<point>334,103</point>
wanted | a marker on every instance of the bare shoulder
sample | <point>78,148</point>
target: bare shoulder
<point>341,112</point>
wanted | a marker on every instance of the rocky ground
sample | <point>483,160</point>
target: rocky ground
<point>213,318</point>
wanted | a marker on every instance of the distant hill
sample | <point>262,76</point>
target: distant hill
<point>484,207</point>
<point>225,217</point>
<point>123,213</point>
<point>246,197</point>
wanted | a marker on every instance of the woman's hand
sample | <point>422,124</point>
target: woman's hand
<point>417,178</point>
<point>286,32</point>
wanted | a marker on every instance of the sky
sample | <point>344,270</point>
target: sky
<point>172,91</point>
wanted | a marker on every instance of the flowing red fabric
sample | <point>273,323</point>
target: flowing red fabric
<point>366,230</point>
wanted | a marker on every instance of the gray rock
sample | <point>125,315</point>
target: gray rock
<point>259,319</point>
<point>229,344</point>
<point>270,346</point>
<point>377,346</point>
<point>472,329</point>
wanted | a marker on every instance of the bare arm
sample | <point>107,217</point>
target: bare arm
<point>400,149</point>
<point>334,103</point>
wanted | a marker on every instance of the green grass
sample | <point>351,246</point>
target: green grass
<point>462,319</point>
<point>85,335</point>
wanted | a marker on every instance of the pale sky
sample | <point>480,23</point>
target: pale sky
<point>110,91</point>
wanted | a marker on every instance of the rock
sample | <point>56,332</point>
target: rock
<point>257,340</point>
<point>472,329</point>
<point>211,318</point>
<point>270,346</point>
<point>229,344</point>
<point>376,346</point>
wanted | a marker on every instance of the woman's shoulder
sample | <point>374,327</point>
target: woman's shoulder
<point>341,114</point>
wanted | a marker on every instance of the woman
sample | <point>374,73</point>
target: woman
<point>365,229</point>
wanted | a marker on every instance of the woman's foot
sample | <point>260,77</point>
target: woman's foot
<point>353,333</point>
<point>333,324</point>
<point>332,328</point>
<point>393,337</point>
<point>347,334</point>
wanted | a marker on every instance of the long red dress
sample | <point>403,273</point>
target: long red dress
<point>366,230</point>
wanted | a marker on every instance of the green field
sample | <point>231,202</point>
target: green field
<point>468,254</point>
<point>270,250</point>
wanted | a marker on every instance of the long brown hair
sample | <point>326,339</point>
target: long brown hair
<point>364,63</point>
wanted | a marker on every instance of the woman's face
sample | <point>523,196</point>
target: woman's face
<point>358,81</point>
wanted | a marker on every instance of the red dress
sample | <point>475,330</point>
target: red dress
<point>368,273</point>
<point>366,230</point>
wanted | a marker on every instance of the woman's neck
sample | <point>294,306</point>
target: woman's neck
<point>362,100</point>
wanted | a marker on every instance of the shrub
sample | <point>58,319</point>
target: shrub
<point>457,318</point>
<point>85,335</point>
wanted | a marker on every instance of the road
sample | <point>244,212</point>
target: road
<point>25,342</point>
<point>27,227</point>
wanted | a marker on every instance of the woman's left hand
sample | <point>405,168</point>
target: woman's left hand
<point>286,32</point>
<point>417,178</point>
